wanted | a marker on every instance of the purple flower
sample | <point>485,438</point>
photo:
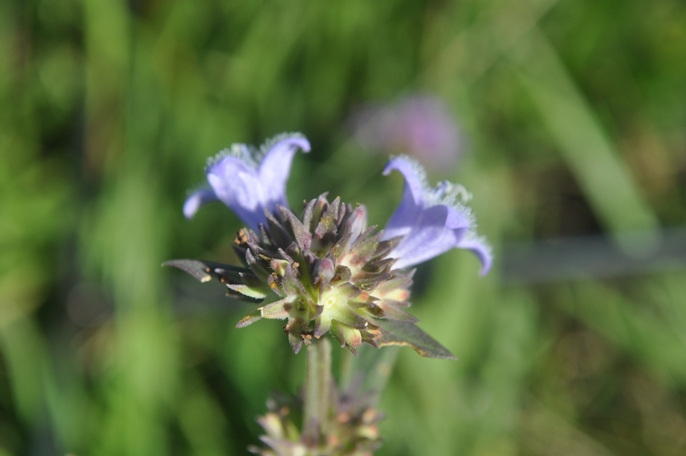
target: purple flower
<point>428,221</point>
<point>417,125</point>
<point>249,181</point>
<point>325,271</point>
<point>431,221</point>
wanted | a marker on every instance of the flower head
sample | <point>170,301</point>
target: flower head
<point>249,181</point>
<point>431,221</point>
<point>325,270</point>
<point>353,429</point>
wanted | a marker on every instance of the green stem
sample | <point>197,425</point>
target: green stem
<point>311,408</point>
<point>346,369</point>
<point>318,384</point>
<point>325,384</point>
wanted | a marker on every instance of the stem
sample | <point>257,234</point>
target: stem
<point>311,408</point>
<point>346,366</point>
<point>325,384</point>
<point>318,384</point>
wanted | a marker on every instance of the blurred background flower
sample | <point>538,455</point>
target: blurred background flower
<point>576,124</point>
<point>416,125</point>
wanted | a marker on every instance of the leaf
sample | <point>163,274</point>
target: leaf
<point>391,312</point>
<point>204,271</point>
<point>408,334</point>
<point>249,319</point>
<point>247,291</point>
<point>591,156</point>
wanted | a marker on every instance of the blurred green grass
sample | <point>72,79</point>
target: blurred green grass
<point>576,125</point>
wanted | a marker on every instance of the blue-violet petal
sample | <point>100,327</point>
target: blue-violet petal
<point>250,181</point>
<point>431,220</point>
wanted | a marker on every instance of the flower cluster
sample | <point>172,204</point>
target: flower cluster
<point>353,430</point>
<point>325,270</point>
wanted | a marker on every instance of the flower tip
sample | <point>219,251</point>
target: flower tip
<point>288,140</point>
<point>197,199</point>
<point>304,145</point>
<point>405,165</point>
<point>191,206</point>
<point>479,247</point>
<point>390,166</point>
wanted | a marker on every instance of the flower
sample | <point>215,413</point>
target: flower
<point>249,181</point>
<point>431,221</point>
<point>418,125</point>
<point>322,272</point>
<point>325,270</point>
<point>351,429</point>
